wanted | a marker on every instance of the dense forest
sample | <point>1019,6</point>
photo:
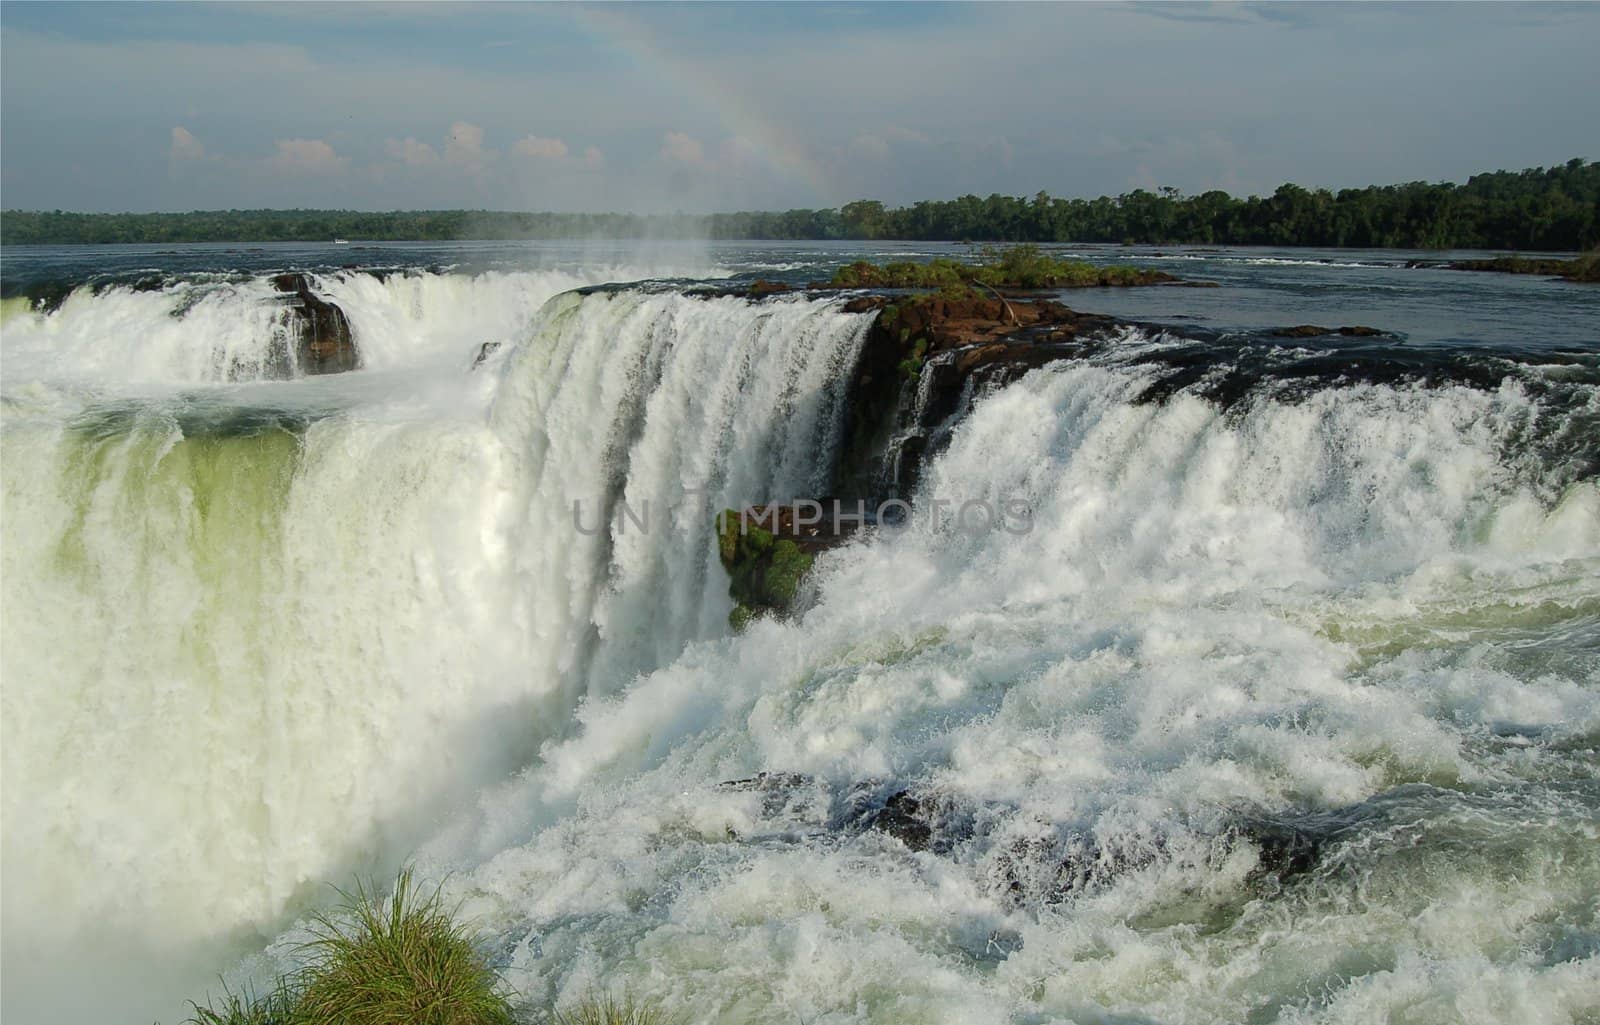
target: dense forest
<point>1555,208</point>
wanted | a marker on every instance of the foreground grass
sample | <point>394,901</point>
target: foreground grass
<point>400,961</point>
<point>404,961</point>
<point>1024,267</point>
<point>606,1010</point>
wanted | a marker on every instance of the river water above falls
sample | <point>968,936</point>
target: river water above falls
<point>1284,708</point>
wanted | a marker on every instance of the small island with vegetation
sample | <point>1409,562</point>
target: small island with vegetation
<point>1022,267</point>
<point>1585,269</point>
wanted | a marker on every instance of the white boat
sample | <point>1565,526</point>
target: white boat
<point>340,242</point>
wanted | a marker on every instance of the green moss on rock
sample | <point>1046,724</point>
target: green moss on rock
<point>740,617</point>
<point>764,572</point>
<point>783,572</point>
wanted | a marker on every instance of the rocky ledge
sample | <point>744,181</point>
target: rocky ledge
<point>925,359</point>
<point>318,330</point>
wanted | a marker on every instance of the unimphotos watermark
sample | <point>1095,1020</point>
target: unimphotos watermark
<point>812,518</point>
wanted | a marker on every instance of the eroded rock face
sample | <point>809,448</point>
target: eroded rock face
<point>924,358</point>
<point>319,331</point>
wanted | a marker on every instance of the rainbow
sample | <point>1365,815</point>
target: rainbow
<point>740,118</point>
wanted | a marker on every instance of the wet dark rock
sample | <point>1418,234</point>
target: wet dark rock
<point>318,330</point>
<point>761,286</point>
<point>903,817</point>
<point>1285,849</point>
<point>1056,864</point>
<point>929,821</point>
<point>1314,331</point>
<point>780,791</point>
<point>485,350</point>
<point>1052,869</point>
<point>44,296</point>
<point>924,358</point>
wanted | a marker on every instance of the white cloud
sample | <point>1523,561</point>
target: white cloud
<point>411,152</point>
<point>536,148</point>
<point>682,148</point>
<point>464,148</point>
<point>185,146</point>
<point>306,156</point>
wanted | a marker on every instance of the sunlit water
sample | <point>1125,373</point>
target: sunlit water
<point>262,635</point>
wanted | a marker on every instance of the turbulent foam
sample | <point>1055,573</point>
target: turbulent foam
<point>195,331</point>
<point>244,655</point>
<point>262,636</point>
<point>1169,647</point>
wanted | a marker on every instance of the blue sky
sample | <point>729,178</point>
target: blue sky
<point>134,106</point>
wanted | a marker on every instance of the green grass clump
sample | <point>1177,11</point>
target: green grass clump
<point>911,366</point>
<point>249,1008</point>
<point>403,961</point>
<point>1025,267</point>
<point>607,1010</point>
<point>406,961</point>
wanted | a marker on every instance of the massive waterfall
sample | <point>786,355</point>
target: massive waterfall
<point>259,635</point>
<point>1344,614</point>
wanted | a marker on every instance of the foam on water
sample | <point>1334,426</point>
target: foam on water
<point>1170,646</point>
<point>249,650</point>
<point>197,331</point>
<point>262,635</point>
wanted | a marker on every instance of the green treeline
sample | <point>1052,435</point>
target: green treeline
<point>1555,208</point>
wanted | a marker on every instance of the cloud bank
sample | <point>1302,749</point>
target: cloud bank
<point>548,107</point>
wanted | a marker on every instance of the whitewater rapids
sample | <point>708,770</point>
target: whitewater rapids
<point>262,635</point>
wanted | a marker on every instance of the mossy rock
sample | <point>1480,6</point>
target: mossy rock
<point>788,564</point>
<point>764,572</point>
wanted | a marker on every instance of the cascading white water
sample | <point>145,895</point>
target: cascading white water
<point>261,637</point>
<point>645,418</point>
<point>123,341</point>
<point>1291,608</point>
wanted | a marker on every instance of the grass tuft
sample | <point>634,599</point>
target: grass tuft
<point>248,1008</point>
<point>605,1010</point>
<point>401,961</point>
